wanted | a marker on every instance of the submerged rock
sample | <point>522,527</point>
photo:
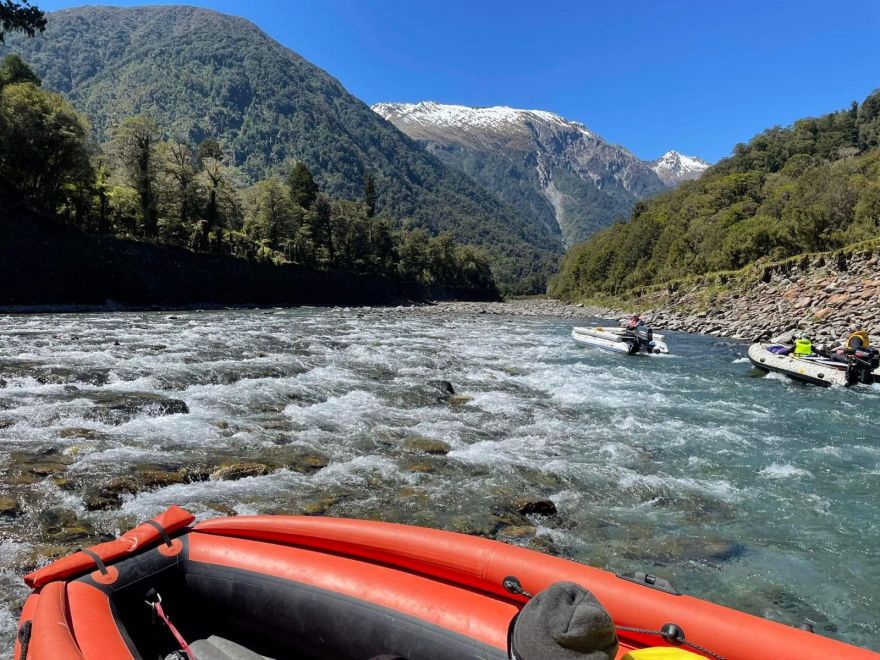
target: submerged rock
<point>534,505</point>
<point>295,459</point>
<point>30,467</point>
<point>79,432</point>
<point>118,408</point>
<point>9,507</point>
<point>443,386</point>
<point>477,524</point>
<point>421,467</point>
<point>235,471</point>
<point>143,478</point>
<point>427,446</point>
<point>62,525</point>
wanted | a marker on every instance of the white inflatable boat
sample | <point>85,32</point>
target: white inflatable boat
<point>641,341</point>
<point>859,367</point>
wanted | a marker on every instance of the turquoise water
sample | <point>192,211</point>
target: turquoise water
<point>752,491</point>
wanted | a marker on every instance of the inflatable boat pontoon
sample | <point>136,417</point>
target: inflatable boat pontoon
<point>641,341</point>
<point>816,369</point>
<point>258,587</point>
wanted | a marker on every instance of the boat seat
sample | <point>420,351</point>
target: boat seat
<point>217,648</point>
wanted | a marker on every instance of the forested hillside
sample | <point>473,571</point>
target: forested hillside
<point>201,75</point>
<point>809,187</point>
<point>175,193</point>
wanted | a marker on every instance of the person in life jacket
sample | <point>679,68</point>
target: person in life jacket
<point>802,345</point>
<point>634,322</point>
<point>858,339</point>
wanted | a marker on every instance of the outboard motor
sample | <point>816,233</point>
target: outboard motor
<point>644,337</point>
<point>861,364</point>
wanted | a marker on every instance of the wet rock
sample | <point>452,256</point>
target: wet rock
<point>97,499</point>
<point>547,545</point>
<point>9,507</point>
<point>459,399</point>
<point>31,467</point>
<point>2,383</point>
<point>443,386</point>
<point>427,446</point>
<point>421,467</point>
<point>293,458</point>
<point>320,506</point>
<point>235,471</point>
<point>476,524</point>
<point>142,478</point>
<point>518,532</point>
<point>62,525</point>
<point>534,505</point>
<point>118,408</point>
<point>5,423</point>
<point>222,508</point>
<point>77,432</point>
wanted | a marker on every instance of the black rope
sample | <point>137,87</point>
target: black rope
<point>665,635</point>
<point>162,531</point>
<point>95,558</point>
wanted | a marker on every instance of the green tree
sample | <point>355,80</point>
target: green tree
<point>221,207</point>
<point>13,69</point>
<point>20,16</point>
<point>414,262</point>
<point>370,194</point>
<point>43,144</point>
<point>303,189</point>
<point>209,148</point>
<point>272,219</point>
<point>134,148</point>
<point>180,188</point>
<point>320,220</point>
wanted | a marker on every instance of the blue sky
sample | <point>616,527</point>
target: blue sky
<point>693,76</point>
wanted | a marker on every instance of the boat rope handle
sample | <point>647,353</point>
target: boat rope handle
<point>161,530</point>
<point>157,609</point>
<point>674,635</point>
<point>95,558</point>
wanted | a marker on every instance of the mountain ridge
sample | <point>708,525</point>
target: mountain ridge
<point>543,163</point>
<point>675,168</point>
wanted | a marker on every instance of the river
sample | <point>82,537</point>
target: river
<point>754,492</point>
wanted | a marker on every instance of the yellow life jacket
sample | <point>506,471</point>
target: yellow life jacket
<point>861,336</point>
<point>661,653</point>
<point>803,347</point>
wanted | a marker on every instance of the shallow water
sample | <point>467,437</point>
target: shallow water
<point>751,491</point>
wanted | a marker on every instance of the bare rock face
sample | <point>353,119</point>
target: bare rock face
<point>546,166</point>
<point>826,297</point>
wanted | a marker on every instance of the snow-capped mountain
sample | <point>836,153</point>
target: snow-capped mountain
<point>544,165</point>
<point>673,168</point>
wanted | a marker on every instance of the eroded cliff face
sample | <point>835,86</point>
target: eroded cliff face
<point>827,295</point>
<point>541,163</point>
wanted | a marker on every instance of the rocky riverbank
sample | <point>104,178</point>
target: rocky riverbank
<point>826,296</point>
<point>529,307</point>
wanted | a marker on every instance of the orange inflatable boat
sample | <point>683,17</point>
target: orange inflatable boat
<point>257,587</point>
